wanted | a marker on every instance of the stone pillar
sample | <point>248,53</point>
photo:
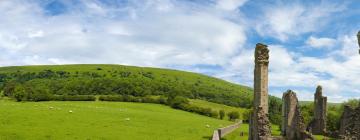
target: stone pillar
<point>259,122</point>
<point>293,127</point>
<point>318,124</point>
<point>358,36</point>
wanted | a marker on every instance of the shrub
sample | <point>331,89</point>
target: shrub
<point>74,98</point>
<point>221,114</point>
<point>177,102</point>
<point>214,114</point>
<point>233,115</point>
<point>117,98</point>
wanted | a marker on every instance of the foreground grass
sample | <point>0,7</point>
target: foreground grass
<point>101,120</point>
<point>244,128</point>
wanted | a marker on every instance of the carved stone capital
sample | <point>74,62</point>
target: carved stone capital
<point>261,54</point>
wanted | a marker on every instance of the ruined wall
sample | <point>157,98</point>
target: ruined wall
<point>350,124</point>
<point>318,124</point>
<point>221,132</point>
<point>259,122</point>
<point>293,127</point>
<point>226,130</point>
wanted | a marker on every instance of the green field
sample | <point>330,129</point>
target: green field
<point>101,120</point>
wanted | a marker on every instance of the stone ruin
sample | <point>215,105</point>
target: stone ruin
<point>350,124</point>
<point>260,128</point>
<point>293,127</point>
<point>259,122</point>
<point>358,36</point>
<point>318,124</point>
<point>350,119</point>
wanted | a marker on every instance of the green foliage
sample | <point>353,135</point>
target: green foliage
<point>233,115</point>
<point>307,111</point>
<point>333,119</point>
<point>119,80</point>
<point>353,103</point>
<point>275,108</point>
<point>221,114</point>
<point>74,98</point>
<point>177,102</point>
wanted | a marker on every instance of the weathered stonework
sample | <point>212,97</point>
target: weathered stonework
<point>358,36</point>
<point>318,124</point>
<point>350,124</point>
<point>259,121</point>
<point>293,127</point>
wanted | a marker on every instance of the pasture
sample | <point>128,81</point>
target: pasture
<point>101,120</point>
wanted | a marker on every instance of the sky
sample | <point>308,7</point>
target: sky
<point>311,42</point>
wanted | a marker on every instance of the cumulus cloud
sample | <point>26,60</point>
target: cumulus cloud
<point>149,33</point>
<point>320,42</point>
<point>281,21</point>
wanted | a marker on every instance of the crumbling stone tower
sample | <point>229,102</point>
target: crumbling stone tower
<point>259,122</point>
<point>293,127</point>
<point>318,124</point>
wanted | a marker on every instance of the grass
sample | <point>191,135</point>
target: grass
<point>101,120</point>
<point>245,129</point>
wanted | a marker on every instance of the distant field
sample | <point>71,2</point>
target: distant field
<point>101,120</point>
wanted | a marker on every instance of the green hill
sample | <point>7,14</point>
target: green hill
<point>98,79</point>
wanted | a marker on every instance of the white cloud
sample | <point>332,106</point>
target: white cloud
<point>230,4</point>
<point>34,34</point>
<point>320,42</point>
<point>160,35</point>
<point>282,21</point>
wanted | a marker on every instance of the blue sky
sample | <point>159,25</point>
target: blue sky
<point>311,42</point>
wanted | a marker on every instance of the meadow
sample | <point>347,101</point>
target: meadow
<point>101,120</point>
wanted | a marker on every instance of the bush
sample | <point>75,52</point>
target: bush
<point>233,115</point>
<point>117,98</point>
<point>214,114</point>
<point>221,114</point>
<point>177,102</point>
<point>74,98</point>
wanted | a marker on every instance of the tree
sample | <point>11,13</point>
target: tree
<point>333,120</point>
<point>222,114</point>
<point>233,115</point>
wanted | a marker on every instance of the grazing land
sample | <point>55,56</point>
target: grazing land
<point>101,120</point>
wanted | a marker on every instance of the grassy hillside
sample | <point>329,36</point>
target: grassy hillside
<point>96,79</point>
<point>101,120</point>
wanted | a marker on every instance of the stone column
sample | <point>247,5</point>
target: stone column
<point>293,127</point>
<point>259,123</point>
<point>358,36</point>
<point>318,124</point>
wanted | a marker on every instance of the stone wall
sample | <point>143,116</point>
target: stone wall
<point>221,132</point>
<point>293,127</point>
